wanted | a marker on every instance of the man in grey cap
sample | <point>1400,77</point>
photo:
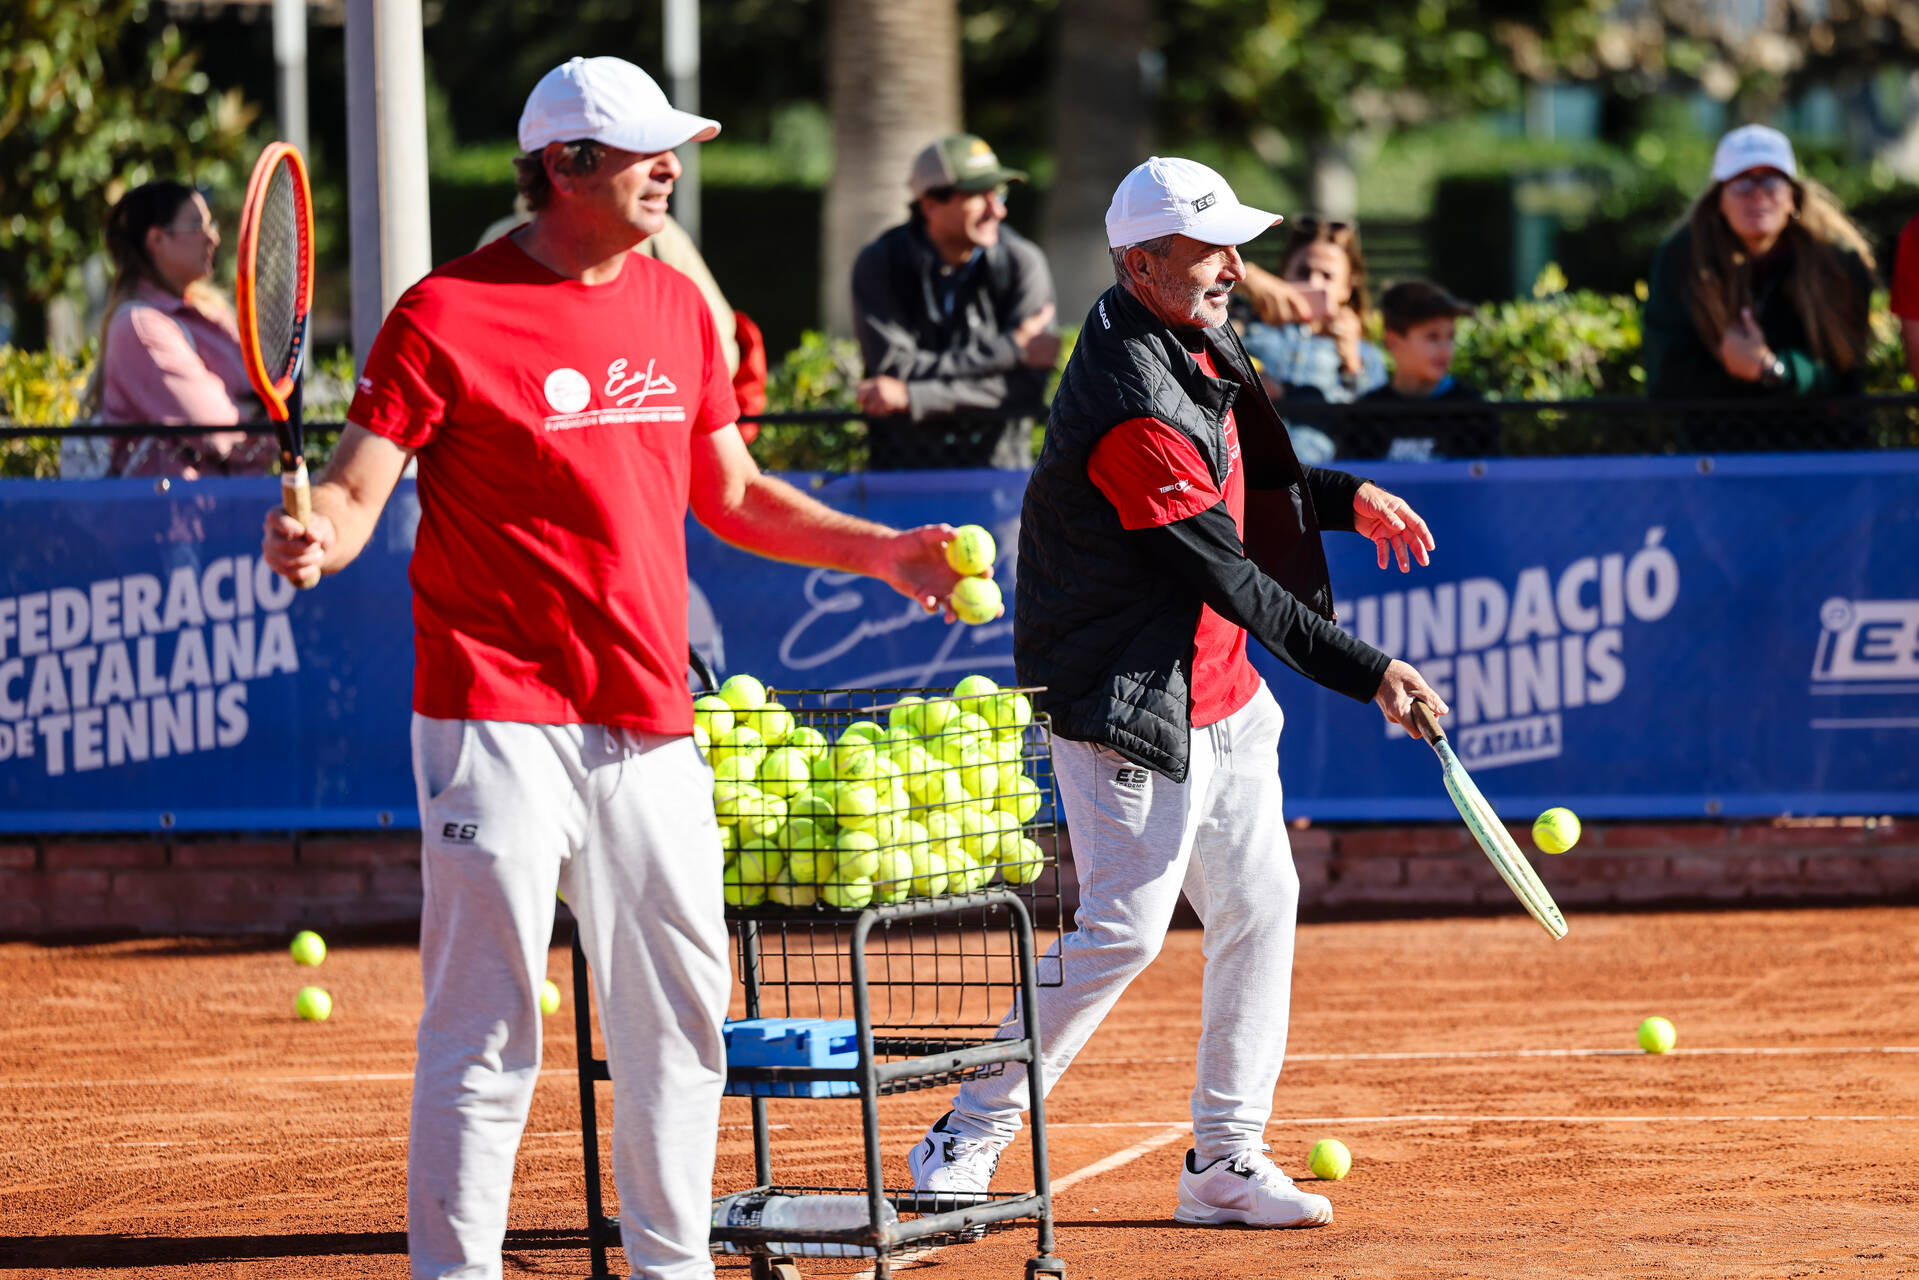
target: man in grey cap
<point>568,401</point>
<point>954,311</point>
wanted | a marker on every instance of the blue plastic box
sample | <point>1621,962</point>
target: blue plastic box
<point>792,1042</point>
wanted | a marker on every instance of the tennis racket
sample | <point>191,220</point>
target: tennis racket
<point>274,297</point>
<point>1487,829</point>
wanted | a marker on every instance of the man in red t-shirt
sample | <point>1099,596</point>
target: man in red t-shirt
<point>1905,292</point>
<point>567,400</point>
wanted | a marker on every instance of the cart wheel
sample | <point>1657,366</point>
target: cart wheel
<point>1044,1265</point>
<point>782,1268</point>
<point>785,1271</point>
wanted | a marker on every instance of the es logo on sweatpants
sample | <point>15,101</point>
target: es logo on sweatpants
<point>459,831</point>
<point>1131,779</point>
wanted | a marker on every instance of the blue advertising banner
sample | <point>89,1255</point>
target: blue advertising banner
<point>1631,637</point>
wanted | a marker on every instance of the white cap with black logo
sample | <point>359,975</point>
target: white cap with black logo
<point>1753,146</point>
<point>1170,196</point>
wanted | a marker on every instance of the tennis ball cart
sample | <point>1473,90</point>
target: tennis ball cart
<point>891,873</point>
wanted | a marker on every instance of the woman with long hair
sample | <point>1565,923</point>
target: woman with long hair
<point>169,348</point>
<point>1324,349</point>
<point>1764,290</point>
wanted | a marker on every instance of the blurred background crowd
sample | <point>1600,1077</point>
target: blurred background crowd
<point>1488,203</point>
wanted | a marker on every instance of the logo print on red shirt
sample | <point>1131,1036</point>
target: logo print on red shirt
<point>619,386</point>
<point>567,390</point>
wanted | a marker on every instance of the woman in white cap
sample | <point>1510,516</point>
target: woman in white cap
<point>1764,290</point>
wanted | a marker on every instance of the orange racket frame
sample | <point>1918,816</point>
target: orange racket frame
<point>279,389</point>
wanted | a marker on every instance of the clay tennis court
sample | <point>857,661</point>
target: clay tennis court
<point>163,1113</point>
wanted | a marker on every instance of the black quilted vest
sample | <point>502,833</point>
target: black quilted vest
<point>1106,630</point>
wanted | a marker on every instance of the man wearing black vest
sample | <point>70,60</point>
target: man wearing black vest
<point>1143,566</point>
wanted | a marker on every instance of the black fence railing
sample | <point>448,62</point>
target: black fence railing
<point>1393,430</point>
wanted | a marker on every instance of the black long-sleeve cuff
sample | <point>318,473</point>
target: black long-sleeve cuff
<point>1205,552</point>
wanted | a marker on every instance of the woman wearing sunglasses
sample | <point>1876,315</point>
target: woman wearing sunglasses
<point>1764,290</point>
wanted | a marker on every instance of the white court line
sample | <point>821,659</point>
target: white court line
<point>1174,1132</point>
<point>1410,1056</point>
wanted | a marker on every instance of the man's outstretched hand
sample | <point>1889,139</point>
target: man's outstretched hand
<point>915,566</point>
<point>1393,526</point>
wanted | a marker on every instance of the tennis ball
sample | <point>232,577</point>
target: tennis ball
<point>702,739</point>
<point>1556,830</point>
<point>807,740</point>
<point>743,693</point>
<point>971,551</point>
<point>759,862</point>
<point>784,772</point>
<point>855,760</point>
<point>1011,711</point>
<point>1020,860</point>
<point>862,730</point>
<point>307,948</point>
<point>714,714</point>
<point>764,817</point>
<point>929,872</point>
<point>1329,1159</point>
<point>740,740</point>
<point>788,894</point>
<point>933,715</point>
<point>971,688</point>
<point>811,865</point>
<point>1021,798</point>
<point>815,804</point>
<point>734,801</point>
<point>848,894</point>
<point>976,600</point>
<point>772,721</point>
<point>894,880</point>
<point>1656,1035</point>
<point>857,856</point>
<point>741,890</point>
<point>905,714</point>
<point>549,997</point>
<point>735,768</point>
<point>313,1004</point>
<point>856,805</point>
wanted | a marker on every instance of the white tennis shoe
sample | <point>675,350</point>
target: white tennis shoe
<point>946,1161</point>
<point>1247,1189</point>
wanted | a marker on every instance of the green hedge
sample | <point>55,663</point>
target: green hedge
<point>1559,344</point>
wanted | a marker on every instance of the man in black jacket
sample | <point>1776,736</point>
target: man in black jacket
<point>954,311</point>
<point>1168,518</point>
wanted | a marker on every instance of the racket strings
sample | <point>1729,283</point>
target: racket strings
<point>277,275</point>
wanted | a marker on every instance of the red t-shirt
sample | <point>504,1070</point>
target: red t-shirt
<point>1154,475</point>
<point>1905,273</point>
<point>553,422</point>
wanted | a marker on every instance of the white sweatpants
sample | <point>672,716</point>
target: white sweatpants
<point>622,823</point>
<point>1139,840</point>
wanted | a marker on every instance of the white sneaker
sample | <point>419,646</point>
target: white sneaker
<point>1246,1188</point>
<point>946,1161</point>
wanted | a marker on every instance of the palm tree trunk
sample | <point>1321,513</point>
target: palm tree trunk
<point>893,72</point>
<point>1102,109</point>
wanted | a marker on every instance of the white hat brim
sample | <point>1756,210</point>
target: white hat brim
<point>1231,224</point>
<point>659,133</point>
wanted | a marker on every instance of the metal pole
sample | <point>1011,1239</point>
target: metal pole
<point>386,159</point>
<point>290,56</point>
<point>683,86</point>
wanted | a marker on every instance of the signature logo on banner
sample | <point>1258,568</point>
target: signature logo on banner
<point>1511,659</point>
<point>139,667</point>
<point>1867,648</point>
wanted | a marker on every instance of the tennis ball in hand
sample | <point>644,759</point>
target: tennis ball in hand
<point>313,1004</point>
<point>976,600</point>
<point>1329,1159</point>
<point>1656,1035</point>
<point>1556,830</point>
<point>743,693</point>
<point>971,551</point>
<point>307,948</point>
<point>549,997</point>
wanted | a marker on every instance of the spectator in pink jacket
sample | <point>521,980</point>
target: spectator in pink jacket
<point>169,349</point>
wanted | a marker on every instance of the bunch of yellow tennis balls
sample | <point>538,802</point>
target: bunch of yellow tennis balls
<point>936,800</point>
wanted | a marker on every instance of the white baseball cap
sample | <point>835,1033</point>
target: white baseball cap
<point>608,100</point>
<point>1753,146</point>
<point>1170,196</point>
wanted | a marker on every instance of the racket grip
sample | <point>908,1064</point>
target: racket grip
<point>1426,722</point>
<point>296,497</point>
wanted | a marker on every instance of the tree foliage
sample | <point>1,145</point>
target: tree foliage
<point>94,100</point>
